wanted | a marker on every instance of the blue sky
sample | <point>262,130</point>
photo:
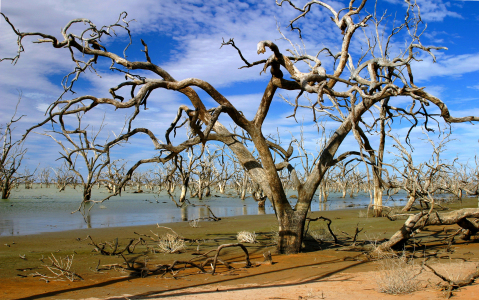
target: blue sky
<point>184,38</point>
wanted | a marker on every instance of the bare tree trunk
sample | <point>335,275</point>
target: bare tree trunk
<point>184,189</point>
<point>291,229</point>
<point>378,201</point>
<point>409,203</point>
<point>207,191</point>
<point>6,189</point>
<point>458,217</point>
<point>244,186</point>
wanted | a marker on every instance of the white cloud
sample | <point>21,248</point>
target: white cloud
<point>197,27</point>
<point>432,11</point>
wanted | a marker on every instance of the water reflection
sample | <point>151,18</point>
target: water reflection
<point>88,220</point>
<point>184,213</point>
<point>44,210</point>
<point>323,206</point>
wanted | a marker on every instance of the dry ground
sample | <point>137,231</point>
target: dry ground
<point>322,272</point>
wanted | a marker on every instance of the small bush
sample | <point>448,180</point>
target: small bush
<point>246,237</point>
<point>171,243</point>
<point>397,276</point>
<point>194,223</point>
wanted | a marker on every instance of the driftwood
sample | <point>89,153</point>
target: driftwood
<point>141,269</point>
<point>130,247</point>
<point>418,221</point>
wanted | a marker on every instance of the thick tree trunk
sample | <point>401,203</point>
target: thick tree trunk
<point>378,201</point>
<point>86,194</point>
<point>207,191</point>
<point>184,189</point>
<point>6,191</point>
<point>291,228</point>
<point>325,194</point>
<point>221,187</point>
<point>261,204</point>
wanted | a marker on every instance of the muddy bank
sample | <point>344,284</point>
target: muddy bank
<point>103,276</point>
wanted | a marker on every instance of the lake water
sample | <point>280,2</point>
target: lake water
<point>37,210</point>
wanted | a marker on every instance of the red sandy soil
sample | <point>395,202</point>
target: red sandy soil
<point>319,274</point>
<point>325,275</point>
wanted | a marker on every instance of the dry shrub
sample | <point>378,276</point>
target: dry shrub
<point>397,276</point>
<point>60,267</point>
<point>246,237</point>
<point>194,223</point>
<point>171,243</point>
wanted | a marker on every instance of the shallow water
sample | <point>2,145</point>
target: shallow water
<point>37,210</point>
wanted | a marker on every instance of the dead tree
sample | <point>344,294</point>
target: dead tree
<point>415,223</point>
<point>184,170</point>
<point>63,176</point>
<point>345,93</point>
<point>44,177</point>
<point>84,146</point>
<point>421,181</point>
<point>112,175</point>
<point>11,157</point>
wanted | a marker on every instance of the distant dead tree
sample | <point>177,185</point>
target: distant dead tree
<point>44,177</point>
<point>84,147</point>
<point>346,93</point>
<point>422,181</point>
<point>11,157</point>
<point>112,175</point>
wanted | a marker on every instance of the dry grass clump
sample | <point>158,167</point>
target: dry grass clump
<point>362,214</point>
<point>397,276</point>
<point>171,243</point>
<point>60,267</point>
<point>194,223</point>
<point>246,237</point>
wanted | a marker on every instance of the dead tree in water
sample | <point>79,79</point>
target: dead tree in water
<point>112,175</point>
<point>345,93</point>
<point>63,176</point>
<point>185,169</point>
<point>44,177</point>
<point>84,147</point>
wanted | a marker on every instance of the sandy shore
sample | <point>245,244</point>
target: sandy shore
<point>315,274</point>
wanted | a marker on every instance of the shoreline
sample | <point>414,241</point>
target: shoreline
<point>349,212</point>
<point>317,261</point>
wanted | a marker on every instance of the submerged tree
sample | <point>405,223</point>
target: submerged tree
<point>77,145</point>
<point>356,86</point>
